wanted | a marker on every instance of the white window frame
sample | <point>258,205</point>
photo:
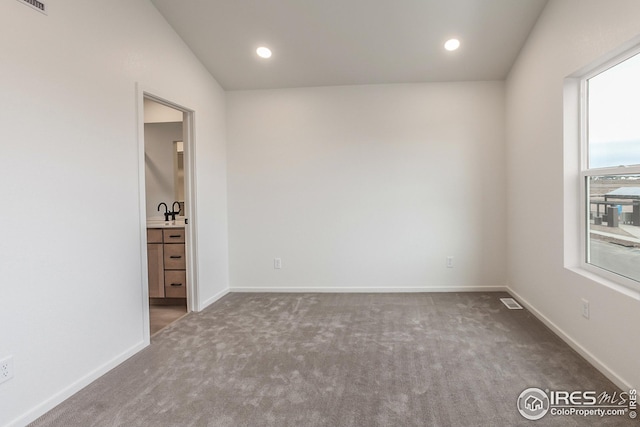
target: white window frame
<point>585,172</point>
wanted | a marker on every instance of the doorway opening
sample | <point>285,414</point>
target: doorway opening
<point>166,187</point>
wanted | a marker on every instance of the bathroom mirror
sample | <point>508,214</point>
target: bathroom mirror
<point>178,173</point>
<point>164,166</point>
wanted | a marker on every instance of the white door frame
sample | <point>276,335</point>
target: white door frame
<point>188,132</point>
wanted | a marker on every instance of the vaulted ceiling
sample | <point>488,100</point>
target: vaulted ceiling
<point>347,42</point>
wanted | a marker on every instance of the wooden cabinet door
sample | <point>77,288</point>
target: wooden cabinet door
<point>155,255</point>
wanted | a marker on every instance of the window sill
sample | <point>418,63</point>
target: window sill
<point>615,283</point>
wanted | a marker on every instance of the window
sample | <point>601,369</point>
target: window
<point>610,172</point>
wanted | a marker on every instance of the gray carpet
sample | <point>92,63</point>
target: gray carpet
<point>432,359</point>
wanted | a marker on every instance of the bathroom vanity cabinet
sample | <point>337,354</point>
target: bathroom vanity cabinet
<point>166,263</point>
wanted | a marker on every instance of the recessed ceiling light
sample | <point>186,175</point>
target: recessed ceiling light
<point>263,52</point>
<point>452,44</point>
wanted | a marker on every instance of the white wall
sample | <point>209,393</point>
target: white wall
<point>367,187</point>
<point>72,300</point>
<point>568,36</point>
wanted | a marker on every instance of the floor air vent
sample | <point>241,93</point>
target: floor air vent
<point>511,303</point>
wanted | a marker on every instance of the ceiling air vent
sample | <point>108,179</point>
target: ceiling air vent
<point>511,303</point>
<point>35,4</point>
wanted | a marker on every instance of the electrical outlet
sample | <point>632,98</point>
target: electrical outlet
<point>277,263</point>
<point>449,262</point>
<point>585,308</point>
<point>6,369</point>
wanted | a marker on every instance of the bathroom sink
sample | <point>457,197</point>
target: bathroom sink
<point>161,223</point>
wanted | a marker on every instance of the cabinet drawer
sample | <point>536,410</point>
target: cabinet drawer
<point>173,235</point>
<point>154,235</point>
<point>175,284</point>
<point>174,257</point>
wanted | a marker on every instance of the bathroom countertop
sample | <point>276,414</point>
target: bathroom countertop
<point>160,223</point>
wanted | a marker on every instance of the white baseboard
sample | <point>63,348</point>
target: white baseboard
<point>206,303</point>
<point>355,289</point>
<point>597,363</point>
<point>76,386</point>
<point>69,391</point>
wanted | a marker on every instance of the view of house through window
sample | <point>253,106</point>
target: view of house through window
<point>612,172</point>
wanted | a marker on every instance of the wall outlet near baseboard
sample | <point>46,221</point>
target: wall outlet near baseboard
<point>585,308</point>
<point>450,261</point>
<point>6,369</point>
<point>277,263</point>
